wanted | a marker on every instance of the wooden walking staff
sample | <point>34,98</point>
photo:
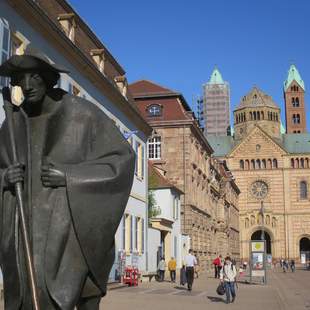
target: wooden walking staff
<point>8,108</point>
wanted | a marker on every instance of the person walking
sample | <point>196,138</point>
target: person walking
<point>217,262</point>
<point>161,269</point>
<point>228,276</point>
<point>183,279</point>
<point>292,265</point>
<point>190,263</point>
<point>172,266</point>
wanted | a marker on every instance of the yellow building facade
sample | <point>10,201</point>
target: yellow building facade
<point>272,171</point>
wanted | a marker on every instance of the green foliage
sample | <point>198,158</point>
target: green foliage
<point>153,209</point>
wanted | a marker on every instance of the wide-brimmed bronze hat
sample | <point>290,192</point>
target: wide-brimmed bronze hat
<point>32,59</point>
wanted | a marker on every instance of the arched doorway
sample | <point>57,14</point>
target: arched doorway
<point>257,235</point>
<point>304,247</point>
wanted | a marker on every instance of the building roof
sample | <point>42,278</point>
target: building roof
<point>158,181</point>
<point>291,143</point>
<point>221,145</point>
<point>143,88</point>
<point>293,75</point>
<point>296,143</point>
<point>216,77</point>
<point>256,98</point>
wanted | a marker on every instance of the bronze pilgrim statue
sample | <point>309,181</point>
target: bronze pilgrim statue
<point>65,177</point>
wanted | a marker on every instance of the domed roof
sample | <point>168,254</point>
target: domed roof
<point>257,98</point>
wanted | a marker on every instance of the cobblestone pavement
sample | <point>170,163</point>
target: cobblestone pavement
<point>284,291</point>
<point>289,291</point>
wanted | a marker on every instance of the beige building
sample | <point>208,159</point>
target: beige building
<point>273,173</point>
<point>179,147</point>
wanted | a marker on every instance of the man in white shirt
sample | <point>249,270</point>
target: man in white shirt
<point>190,262</point>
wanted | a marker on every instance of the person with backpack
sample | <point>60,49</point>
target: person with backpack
<point>228,277</point>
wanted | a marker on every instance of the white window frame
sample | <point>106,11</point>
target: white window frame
<point>154,148</point>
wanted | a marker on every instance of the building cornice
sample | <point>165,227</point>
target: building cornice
<point>39,20</point>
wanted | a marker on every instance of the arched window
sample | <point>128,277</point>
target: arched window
<point>254,115</point>
<point>252,164</point>
<point>241,164</point>
<point>251,116</point>
<point>258,165</point>
<point>292,163</point>
<point>307,162</point>
<point>302,163</point>
<point>154,110</point>
<point>303,190</point>
<point>244,116</point>
<point>258,115</point>
<point>296,163</point>
<point>275,163</point>
<point>247,164</point>
<point>262,114</point>
<point>277,117</point>
<point>264,164</point>
<point>269,164</point>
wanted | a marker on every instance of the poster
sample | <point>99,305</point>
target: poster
<point>303,258</point>
<point>258,246</point>
<point>257,261</point>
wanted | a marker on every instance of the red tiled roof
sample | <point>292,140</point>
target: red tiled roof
<point>145,87</point>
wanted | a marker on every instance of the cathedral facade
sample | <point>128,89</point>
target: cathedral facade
<point>272,170</point>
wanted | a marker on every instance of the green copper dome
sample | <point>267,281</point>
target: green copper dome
<point>293,75</point>
<point>216,77</point>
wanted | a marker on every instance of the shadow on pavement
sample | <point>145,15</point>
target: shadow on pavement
<point>216,299</point>
<point>181,288</point>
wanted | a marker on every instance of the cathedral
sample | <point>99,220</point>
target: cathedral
<point>271,167</point>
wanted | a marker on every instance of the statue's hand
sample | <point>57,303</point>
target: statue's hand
<point>14,174</point>
<point>52,176</point>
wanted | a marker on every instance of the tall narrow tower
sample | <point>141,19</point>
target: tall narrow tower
<point>294,96</point>
<point>216,101</point>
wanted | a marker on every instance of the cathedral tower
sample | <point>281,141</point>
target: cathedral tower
<point>257,108</point>
<point>294,94</point>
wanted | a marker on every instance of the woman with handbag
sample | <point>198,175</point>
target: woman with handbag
<point>228,277</point>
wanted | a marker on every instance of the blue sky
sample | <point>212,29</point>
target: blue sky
<point>178,43</point>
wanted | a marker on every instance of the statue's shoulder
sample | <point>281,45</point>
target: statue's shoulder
<point>79,105</point>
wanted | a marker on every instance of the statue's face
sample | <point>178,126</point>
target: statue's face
<point>32,85</point>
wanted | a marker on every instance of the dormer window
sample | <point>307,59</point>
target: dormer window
<point>99,58</point>
<point>68,25</point>
<point>154,110</point>
<point>122,84</point>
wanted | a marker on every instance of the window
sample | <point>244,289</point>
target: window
<point>296,119</point>
<point>275,163</point>
<point>68,25</point>
<point>241,164</point>
<point>131,233</point>
<point>140,159</point>
<point>137,233</point>
<point>124,232</point>
<point>264,164</point>
<point>99,58</point>
<point>175,242</point>
<point>154,148</point>
<point>175,208</point>
<point>128,233</point>
<point>154,110</point>
<point>303,190</point>
<point>142,235</point>
<point>295,102</point>
<point>4,47</point>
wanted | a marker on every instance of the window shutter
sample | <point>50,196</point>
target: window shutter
<point>142,160</point>
<point>5,47</point>
<point>131,233</point>
<point>142,235</point>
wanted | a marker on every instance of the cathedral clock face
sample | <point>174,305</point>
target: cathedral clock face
<point>259,189</point>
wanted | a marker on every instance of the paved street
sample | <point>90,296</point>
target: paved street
<point>284,291</point>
